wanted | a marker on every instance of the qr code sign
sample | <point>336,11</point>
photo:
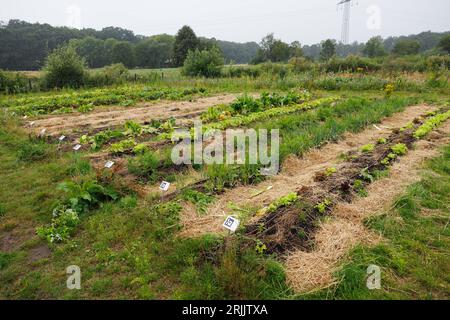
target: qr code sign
<point>231,223</point>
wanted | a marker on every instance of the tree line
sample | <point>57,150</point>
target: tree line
<point>25,46</point>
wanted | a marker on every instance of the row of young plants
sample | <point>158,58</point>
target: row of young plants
<point>127,136</point>
<point>148,165</point>
<point>334,185</point>
<point>167,128</point>
<point>247,104</point>
<point>85,101</point>
<point>431,124</point>
<point>301,132</point>
<point>235,258</point>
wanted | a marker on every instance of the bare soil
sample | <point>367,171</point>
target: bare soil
<point>114,116</point>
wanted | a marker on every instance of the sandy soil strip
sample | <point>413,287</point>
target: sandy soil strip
<point>296,173</point>
<point>114,116</point>
<point>309,271</point>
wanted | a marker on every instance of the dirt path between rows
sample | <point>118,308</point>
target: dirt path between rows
<point>296,173</point>
<point>310,271</point>
<point>114,116</point>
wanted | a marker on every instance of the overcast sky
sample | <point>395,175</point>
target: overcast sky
<point>239,20</point>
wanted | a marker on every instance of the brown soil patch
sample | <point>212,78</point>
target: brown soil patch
<point>13,240</point>
<point>314,270</point>
<point>39,253</point>
<point>114,116</point>
<point>296,173</point>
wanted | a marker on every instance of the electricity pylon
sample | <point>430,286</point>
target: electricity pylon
<point>345,21</point>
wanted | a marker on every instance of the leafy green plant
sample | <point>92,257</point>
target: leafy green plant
<point>87,194</point>
<point>260,247</point>
<point>431,124</point>
<point>366,175</point>
<point>140,148</point>
<point>132,128</point>
<point>330,171</point>
<point>122,146</point>
<point>368,148</point>
<point>128,202</point>
<point>321,207</point>
<point>399,149</point>
<point>199,199</point>
<point>284,201</point>
<point>358,186</point>
<point>63,224</point>
<point>382,141</point>
<point>85,108</point>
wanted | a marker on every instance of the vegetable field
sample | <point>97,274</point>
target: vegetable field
<point>88,179</point>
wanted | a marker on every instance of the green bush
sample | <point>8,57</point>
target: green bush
<point>64,68</point>
<point>300,64</point>
<point>238,72</point>
<point>13,82</point>
<point>350,64</point>
<point>113,74</point>
<point>205,63</point>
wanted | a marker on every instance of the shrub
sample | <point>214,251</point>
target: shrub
<point>205,63</point>
<point>13,82</point>
<point>300,64</point>
<point>238,72</point>
<point>350,64</point>
<point>64,68</point>
<point>113,74</point>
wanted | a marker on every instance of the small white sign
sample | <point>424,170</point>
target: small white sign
<point>164,186</point>
<point>109,164</point>
<point>62,138</point>
<point>32,123</point>
<point>43,132</point>
<point>231,223</point>
<point>77,147</point>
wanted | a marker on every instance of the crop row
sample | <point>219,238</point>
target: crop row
<point>431,124</point>
<point>247,104</point>
<point>85,101</point>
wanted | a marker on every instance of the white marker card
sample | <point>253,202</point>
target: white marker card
<point>43,132</point>
<point>77,147</point>
<point>231,223</point>
<point>62,138</point>
<point>164,186</point>
<point>109,164</point>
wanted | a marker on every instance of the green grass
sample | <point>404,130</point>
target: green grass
<point>414,259</point>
